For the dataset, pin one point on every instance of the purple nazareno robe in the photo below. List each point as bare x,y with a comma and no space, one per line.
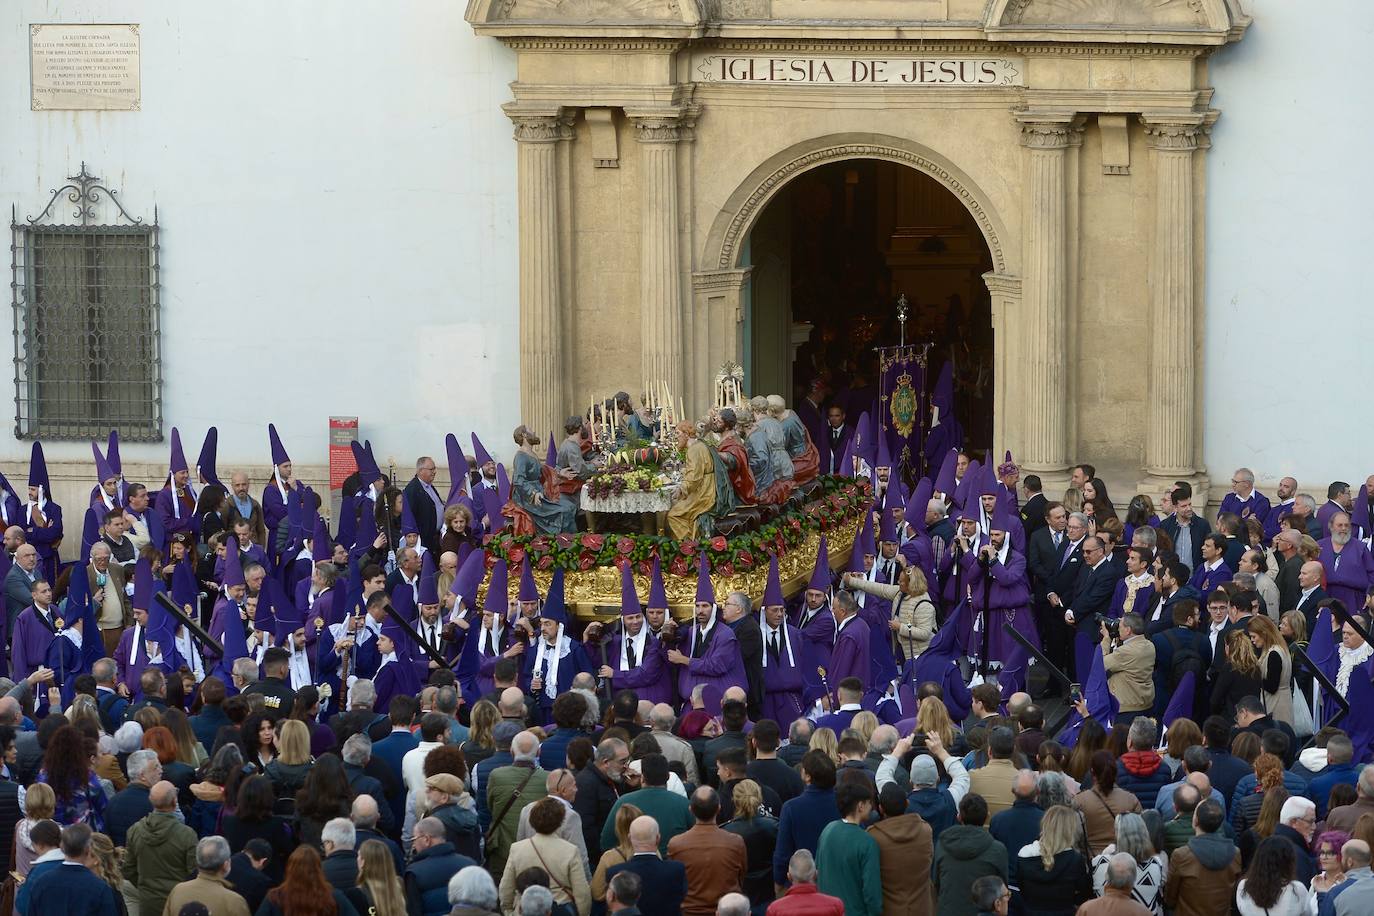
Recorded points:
129,672
1257,506
784,681
1350,573
650,678
850,655
719,663
817,630
32,636
1004,590
175,518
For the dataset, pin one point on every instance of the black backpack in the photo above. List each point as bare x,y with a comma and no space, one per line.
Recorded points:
1185,658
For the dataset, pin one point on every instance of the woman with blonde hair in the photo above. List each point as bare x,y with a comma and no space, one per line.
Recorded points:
480,744
292,763
621,852
1276,668
39,804
1240,677
912,620
1052,871
760,834
378,881
865,723
106,866
458,538
823,739
932,718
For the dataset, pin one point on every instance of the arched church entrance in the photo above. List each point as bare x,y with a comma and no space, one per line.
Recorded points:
834,253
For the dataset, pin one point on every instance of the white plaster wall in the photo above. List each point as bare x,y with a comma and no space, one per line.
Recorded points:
1289,234
336,185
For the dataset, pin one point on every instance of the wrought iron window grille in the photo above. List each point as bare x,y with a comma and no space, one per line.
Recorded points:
87,298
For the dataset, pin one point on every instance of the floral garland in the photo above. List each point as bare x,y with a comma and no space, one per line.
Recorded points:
840,499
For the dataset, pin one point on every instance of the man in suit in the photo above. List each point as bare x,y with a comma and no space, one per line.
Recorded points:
19,583
1033,511
666,881
1045,551
1312,593
425,503
1186,529
240,504
745,625
1286,544
837,436
1091,596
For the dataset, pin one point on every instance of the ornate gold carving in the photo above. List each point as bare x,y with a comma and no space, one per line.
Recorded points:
745,216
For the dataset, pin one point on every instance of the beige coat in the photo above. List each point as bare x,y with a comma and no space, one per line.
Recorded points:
219,898
915,616
1130,671
993,782
567,873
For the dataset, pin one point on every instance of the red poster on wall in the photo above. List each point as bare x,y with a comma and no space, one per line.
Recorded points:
342,432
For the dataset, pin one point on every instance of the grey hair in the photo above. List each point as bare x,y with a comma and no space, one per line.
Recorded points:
364,812
1079,517
1133,839
592,717
341,832
537,900
799,731
1143,733
211,853
446,700
884,740
1148,536
362,693
937,506
1121,870
357,750
608,749
328,572
245,669
1245,580
1135,622
801,868
524,747
473,887
1245,474
662,718
139,761
104,670
733,905
1307,500
100,546
128,738
1051,790
431,827
743,600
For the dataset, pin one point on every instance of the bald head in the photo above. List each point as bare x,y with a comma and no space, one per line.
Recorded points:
734,693
364,813
644,834
163,795
1355,854
1017,702
524,747
1310,576
512,703
1201,782
1024,785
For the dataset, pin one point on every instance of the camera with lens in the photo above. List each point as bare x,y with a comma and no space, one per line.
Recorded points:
1113,624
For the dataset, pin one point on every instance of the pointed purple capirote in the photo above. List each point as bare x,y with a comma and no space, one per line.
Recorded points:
1003,517
772,592
658,595
944,480
429,587
498,590
368,472
555,608
279,455
988,485
915,514
491,501
469,577
860,438
205,464
321,550
943,396
820,573
863,544
185,588
528,590
178,461
480,451
103,471
884,452
457,469
966,491
886,530
143,585
38,469
706,592
288,618
629,598
551,458
112,453
233,567
502,484
408,523
1181,703
846,466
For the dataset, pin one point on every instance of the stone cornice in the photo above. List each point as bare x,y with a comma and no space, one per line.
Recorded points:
538,128
593,43
1173,136
725,280
656,128
1050,130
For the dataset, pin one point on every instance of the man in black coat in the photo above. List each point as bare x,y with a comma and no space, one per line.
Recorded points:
1045,553
1036,506
736,614
1092,594
425,504
598,787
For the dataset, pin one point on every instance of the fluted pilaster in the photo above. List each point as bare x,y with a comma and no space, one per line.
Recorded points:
542,376
1045,287
1169,445
660,271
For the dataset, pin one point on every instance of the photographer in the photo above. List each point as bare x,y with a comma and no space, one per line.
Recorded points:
1129,659
936,805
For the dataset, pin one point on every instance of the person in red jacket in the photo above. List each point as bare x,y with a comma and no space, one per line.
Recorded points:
802,898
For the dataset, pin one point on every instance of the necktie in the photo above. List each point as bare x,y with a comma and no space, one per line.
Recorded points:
1057,537
491,644
429,635
774,648
630,653
699,644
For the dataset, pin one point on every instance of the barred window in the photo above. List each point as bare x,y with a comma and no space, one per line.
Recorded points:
86,320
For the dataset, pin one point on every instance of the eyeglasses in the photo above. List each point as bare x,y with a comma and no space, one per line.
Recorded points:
1326,852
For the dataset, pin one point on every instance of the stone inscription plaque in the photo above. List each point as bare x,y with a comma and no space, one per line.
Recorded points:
860,71
84,67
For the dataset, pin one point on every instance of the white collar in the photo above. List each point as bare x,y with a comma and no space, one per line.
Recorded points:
639,639
781,630
848,706
1098,564
1212,567
1140,579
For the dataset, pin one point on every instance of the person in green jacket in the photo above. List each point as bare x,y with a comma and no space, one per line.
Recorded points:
509,789
847,857
160,851
672,811
965,853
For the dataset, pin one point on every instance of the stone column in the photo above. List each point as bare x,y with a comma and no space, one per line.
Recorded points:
1169,445
1044,400
660,273
542,376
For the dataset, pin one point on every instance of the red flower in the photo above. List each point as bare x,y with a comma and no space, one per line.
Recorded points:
545,562
724,569
515,554
593,541
645,567
744,558
678,567
621,562
625,545
539,544
796,523
687,548
586,560
564,541
718,543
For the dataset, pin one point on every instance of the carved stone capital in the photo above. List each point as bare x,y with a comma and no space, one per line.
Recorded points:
1171,136
1050,134
539,128
658,129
